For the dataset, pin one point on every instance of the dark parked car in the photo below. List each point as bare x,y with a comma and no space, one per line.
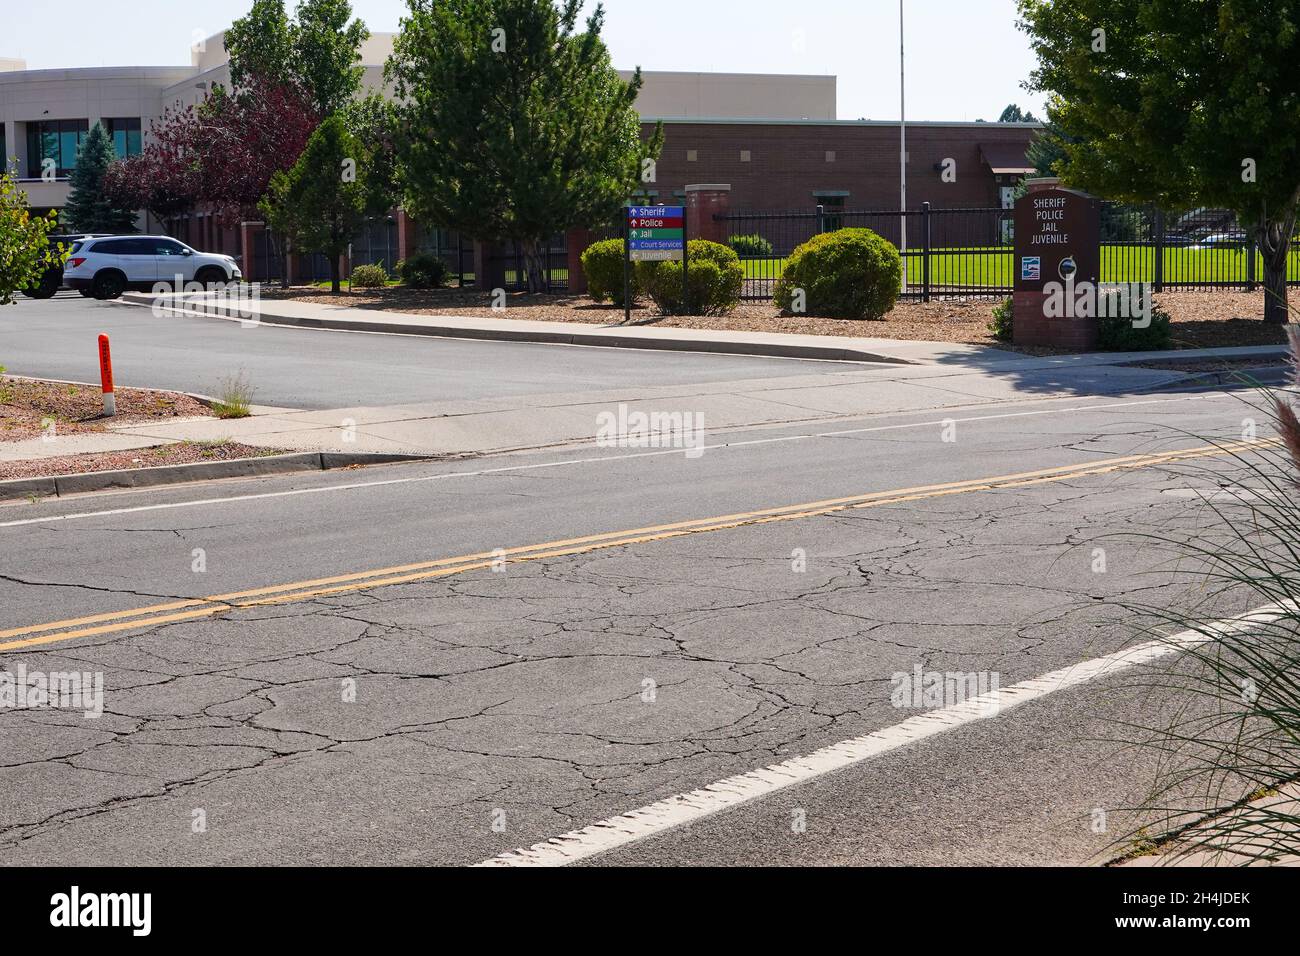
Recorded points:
52,278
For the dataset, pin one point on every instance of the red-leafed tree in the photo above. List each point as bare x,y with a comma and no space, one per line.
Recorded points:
248,138
167,177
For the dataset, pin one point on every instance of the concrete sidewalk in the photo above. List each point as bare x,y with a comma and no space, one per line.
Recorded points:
783,345
478,426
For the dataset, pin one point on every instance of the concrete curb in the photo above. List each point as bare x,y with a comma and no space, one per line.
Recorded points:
61,485
627,341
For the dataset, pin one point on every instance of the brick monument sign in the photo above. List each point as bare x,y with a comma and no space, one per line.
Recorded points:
1057,249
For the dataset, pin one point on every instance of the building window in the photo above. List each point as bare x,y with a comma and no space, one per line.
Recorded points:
692,155
830,155
56,140
745,156
125,134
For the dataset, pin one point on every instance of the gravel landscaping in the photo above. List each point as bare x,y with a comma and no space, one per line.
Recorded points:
28,407
1202,319
179,453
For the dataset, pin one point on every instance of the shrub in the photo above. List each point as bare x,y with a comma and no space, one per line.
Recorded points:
716,279
848,274
602,262
423,270
754,246
1000,327
370,277
1118,334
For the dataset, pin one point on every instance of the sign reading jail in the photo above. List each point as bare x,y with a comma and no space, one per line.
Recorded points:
656,233
1058,239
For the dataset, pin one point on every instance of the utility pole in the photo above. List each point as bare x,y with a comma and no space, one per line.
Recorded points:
902,140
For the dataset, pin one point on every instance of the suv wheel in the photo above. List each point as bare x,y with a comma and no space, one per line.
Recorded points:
45,290
109,285
210,276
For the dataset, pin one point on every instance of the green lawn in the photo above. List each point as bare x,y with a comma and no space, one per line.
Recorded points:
993,266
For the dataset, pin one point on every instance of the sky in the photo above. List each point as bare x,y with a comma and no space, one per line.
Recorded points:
965,58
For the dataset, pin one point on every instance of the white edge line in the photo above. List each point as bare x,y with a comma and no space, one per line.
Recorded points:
603,459
687,808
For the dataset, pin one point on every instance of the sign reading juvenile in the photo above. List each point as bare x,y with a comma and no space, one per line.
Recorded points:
1057,239
656,233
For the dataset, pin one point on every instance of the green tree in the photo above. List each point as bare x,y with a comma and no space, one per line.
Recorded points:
516,125
259,45
317,51
1182,103
24,247
1014,114
372,121
320,204
1047,150
89,207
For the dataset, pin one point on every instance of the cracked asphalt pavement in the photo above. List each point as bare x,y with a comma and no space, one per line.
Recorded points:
446,720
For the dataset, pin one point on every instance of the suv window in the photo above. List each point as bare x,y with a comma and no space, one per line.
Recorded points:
167,247
124,247
76,247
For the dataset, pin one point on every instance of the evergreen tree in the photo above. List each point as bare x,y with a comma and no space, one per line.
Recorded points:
89,207
320,204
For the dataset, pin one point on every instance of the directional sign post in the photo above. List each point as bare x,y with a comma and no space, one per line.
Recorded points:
654,234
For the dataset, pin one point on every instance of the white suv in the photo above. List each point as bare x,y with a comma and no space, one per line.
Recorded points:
106,267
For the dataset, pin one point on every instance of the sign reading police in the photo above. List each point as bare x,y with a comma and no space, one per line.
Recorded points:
656,233
1057,238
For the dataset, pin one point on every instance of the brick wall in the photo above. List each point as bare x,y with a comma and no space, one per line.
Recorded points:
788,162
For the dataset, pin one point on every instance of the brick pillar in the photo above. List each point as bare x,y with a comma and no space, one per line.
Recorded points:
407,235
488,274
703,203
577,242
248,232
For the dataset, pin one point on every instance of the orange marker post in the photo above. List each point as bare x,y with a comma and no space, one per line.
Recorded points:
106,377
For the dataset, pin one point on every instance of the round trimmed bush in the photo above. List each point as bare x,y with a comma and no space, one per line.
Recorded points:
716,280
602,262
369,277
752,246
848,274
424,270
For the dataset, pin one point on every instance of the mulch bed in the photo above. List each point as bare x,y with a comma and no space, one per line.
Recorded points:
1203,319
181,453
27,407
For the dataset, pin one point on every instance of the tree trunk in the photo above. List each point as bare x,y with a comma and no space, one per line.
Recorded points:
535,265
334,275
1273,236
282,247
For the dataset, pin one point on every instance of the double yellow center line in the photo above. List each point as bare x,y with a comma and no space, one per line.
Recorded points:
196,608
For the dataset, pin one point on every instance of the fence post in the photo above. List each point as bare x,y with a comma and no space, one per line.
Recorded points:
1158,278
821,215
925,252
1250,263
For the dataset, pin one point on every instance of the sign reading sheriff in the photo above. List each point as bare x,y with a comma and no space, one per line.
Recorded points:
1057,239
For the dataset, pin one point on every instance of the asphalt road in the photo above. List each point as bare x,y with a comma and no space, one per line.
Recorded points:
309,369
497,706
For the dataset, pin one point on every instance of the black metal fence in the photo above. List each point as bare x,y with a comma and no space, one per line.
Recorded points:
556,254
969,253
